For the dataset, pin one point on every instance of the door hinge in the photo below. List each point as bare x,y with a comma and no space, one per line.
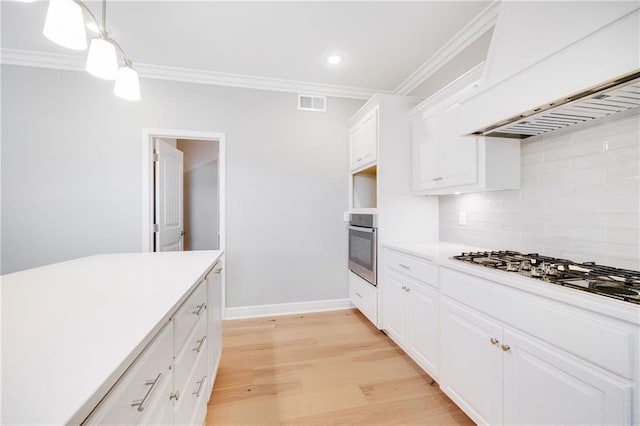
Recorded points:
155,157
155,227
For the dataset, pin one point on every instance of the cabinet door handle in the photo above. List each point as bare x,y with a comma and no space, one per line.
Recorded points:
175,396
218,271
505,348
200,383
199,309
358,294
408,289
494,341
152,384
200,343
404,266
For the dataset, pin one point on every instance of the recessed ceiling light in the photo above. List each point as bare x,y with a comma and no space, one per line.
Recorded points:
335,59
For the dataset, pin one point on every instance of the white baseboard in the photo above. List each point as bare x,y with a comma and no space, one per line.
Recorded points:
286,308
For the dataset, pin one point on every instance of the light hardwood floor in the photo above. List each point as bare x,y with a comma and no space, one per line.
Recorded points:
328,368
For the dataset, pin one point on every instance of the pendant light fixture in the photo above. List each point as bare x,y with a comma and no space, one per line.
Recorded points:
127,84
65,26
102,60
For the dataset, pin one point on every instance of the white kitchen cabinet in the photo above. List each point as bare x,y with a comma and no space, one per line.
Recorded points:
571,392
500,375
471,371
395,304
445,160
144,385
411,307
364,296
423,327
214,306
364,141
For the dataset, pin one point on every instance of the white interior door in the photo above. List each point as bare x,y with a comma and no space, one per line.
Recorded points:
168,197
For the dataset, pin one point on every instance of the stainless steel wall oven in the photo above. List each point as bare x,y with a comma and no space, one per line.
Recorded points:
363,246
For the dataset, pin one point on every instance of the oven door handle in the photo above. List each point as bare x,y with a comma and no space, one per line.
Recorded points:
361,229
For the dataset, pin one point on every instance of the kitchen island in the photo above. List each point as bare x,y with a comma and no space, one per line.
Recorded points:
71,331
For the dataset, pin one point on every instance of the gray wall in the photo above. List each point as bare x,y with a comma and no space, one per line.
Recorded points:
71,177
201,207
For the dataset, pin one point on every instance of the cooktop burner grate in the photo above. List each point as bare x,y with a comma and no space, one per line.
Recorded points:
621,284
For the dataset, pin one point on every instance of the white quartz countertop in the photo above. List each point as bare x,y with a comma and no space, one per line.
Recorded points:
437,252
440,253
70,329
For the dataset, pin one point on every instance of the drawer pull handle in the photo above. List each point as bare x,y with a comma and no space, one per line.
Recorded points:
358,294
199,309
218,271
200,343
200,383
152,384
494,341
175,396
404,266
505,348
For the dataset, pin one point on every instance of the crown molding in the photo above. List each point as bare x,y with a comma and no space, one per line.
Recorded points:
484,21
29,58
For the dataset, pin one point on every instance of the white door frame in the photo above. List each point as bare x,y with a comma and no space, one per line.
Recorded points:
147,185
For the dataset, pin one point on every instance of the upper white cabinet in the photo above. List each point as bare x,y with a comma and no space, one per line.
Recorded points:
445,161
364,141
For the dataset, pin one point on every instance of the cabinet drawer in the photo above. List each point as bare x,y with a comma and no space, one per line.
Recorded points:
193,395
140,387
196,347
194,308
414,267
364,296
563,326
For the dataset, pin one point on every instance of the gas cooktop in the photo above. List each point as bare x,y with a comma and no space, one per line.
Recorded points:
621,284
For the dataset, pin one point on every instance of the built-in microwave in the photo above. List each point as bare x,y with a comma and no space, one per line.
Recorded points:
363,246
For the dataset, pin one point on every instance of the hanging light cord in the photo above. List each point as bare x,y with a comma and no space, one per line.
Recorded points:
103,28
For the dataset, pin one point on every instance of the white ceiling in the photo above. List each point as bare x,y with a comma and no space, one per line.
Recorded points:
384,42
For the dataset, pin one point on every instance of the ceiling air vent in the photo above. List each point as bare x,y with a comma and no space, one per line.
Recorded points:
312,103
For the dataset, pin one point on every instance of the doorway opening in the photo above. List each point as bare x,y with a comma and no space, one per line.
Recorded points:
183,179
185,205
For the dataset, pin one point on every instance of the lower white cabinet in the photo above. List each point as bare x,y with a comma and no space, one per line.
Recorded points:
214,307
143,389
410,306
571,392
170,382
364,296
499,375
471,372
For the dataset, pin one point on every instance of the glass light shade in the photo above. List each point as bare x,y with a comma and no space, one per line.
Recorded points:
102,60
127,84
64,25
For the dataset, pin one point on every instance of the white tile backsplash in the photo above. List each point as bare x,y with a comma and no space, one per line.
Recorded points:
580,198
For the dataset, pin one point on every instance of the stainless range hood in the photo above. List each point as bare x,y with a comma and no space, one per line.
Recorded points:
552,65
614,96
